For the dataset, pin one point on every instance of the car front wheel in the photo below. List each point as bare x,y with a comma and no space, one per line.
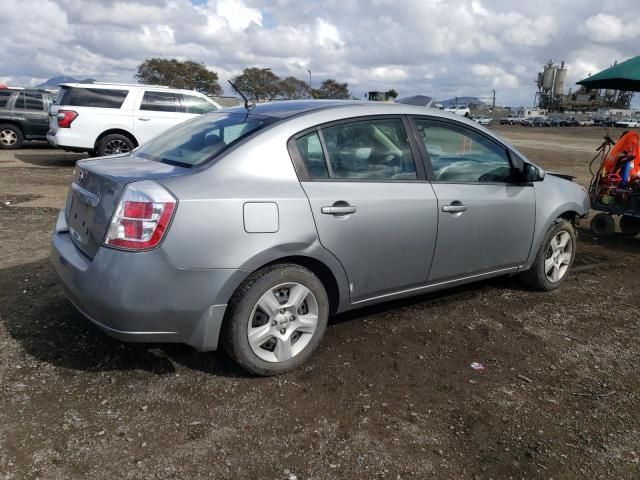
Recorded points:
276,319
554,259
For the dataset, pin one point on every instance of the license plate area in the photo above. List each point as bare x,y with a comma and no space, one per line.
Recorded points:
80,218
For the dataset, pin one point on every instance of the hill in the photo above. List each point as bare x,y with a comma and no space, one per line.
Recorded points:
53,82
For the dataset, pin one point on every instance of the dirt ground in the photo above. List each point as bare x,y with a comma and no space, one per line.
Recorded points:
390,393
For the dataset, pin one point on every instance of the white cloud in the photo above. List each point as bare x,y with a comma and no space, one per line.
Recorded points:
436,47
608,28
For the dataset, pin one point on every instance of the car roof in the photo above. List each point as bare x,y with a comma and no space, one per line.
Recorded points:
290,108
129,86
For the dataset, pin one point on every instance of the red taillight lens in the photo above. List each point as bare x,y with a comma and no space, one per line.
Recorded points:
65,117
142,217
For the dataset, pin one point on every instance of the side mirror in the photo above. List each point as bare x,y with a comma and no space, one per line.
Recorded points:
531,173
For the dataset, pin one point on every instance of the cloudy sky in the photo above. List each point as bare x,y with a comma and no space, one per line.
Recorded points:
442,48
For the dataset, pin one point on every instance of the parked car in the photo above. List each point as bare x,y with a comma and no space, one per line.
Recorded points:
462,110
107,118
569,122
511,119
541,122
248,228
23,116
627,123
586,122
536,122
482,119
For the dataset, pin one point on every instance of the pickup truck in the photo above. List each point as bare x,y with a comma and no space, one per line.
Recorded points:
23,116
511,120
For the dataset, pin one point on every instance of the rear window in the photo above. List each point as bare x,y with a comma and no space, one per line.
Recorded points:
92,97
201,139
4,97
160,102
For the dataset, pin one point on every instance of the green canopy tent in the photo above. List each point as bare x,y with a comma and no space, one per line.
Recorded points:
624,76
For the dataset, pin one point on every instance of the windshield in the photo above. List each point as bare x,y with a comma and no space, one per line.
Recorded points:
197,141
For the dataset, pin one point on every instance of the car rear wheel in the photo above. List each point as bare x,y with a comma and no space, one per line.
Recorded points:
276,319
602,225
10,137
554,259
630,225
114,144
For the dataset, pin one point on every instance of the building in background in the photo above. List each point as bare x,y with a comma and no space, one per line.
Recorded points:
550,95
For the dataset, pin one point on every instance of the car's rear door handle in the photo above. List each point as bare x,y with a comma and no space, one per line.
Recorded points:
455,207
339,210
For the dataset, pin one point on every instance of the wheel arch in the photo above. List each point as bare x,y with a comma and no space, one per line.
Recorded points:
322,271
570,216
112,131
13,123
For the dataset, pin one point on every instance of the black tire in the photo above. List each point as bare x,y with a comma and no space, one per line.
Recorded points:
11,137
630,225
114,144
536,276
235,329
602,225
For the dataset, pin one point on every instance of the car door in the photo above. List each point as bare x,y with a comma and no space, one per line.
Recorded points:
30,109
371,203
486,216
158,111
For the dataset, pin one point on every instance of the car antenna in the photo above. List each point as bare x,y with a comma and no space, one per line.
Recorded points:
247,104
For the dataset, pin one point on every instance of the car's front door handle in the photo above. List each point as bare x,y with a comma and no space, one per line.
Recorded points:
339,210
144,119
454,208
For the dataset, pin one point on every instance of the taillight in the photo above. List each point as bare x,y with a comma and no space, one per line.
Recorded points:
141,218
65,117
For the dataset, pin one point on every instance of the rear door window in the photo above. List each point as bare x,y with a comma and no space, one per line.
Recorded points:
29,101
310,150
370,150
161,102
4,97
197,105
93,97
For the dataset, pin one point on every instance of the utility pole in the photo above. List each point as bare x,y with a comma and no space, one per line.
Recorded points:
309,77
493,104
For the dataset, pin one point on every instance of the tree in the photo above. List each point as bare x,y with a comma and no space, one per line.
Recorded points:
259,84
292,88
178,74
332,89
392,93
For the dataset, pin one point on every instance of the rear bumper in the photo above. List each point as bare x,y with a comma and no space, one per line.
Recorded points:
141,297
65,138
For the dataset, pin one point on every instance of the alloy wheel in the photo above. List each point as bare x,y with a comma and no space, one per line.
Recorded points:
8,137
558,257
283,322
115,147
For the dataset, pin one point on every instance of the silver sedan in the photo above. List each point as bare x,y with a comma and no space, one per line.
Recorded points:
248,228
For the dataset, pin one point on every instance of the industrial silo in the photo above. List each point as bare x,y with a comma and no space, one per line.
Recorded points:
561,75
547,76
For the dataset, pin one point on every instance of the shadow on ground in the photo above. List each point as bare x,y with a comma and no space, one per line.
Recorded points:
36,313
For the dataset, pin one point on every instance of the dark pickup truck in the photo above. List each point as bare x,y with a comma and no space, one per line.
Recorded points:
23,116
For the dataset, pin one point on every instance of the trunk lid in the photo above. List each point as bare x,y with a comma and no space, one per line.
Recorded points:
95,192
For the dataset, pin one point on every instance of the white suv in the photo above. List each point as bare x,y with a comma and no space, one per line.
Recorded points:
461,110
108,118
